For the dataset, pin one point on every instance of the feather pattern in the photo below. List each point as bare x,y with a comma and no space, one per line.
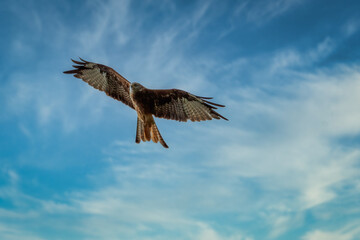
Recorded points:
104,79
177,105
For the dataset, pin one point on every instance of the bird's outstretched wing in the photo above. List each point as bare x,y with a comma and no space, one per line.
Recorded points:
104,79
180,105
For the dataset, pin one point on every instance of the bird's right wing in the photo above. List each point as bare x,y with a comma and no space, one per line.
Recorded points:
104,79
180,105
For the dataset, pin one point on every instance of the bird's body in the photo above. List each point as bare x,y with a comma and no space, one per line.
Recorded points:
172,104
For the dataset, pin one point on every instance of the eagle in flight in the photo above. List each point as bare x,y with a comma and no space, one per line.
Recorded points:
172,104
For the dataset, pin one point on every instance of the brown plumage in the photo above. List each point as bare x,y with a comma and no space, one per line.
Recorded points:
171,104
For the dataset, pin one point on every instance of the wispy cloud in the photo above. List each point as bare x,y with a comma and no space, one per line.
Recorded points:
13,233
351,27
349,232
289,58
24,94
261,12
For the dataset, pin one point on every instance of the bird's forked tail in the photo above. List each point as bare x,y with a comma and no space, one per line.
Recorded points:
148,131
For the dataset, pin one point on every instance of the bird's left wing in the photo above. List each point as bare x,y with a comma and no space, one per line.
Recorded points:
180,105
104,79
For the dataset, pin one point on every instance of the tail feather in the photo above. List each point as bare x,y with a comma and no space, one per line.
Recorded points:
140,133
147,133
156,136
138,137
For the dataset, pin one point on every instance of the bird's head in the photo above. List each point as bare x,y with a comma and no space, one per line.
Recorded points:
136,86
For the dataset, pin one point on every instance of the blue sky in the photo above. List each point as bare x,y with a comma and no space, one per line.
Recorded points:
286,165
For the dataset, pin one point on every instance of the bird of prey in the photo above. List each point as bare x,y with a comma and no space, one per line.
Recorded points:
172,104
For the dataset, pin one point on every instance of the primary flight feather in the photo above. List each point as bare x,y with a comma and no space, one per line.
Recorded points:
172,104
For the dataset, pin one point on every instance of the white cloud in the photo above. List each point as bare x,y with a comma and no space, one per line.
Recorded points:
109,20
288,142
9,232
351,27
288,58
261,12
110,212
299,130
53,103
348,232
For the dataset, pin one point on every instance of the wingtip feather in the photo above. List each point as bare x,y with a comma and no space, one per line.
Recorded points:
83,60
204,97
71,71
215,104
77,62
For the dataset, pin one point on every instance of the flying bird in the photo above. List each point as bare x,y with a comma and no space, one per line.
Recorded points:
171,104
